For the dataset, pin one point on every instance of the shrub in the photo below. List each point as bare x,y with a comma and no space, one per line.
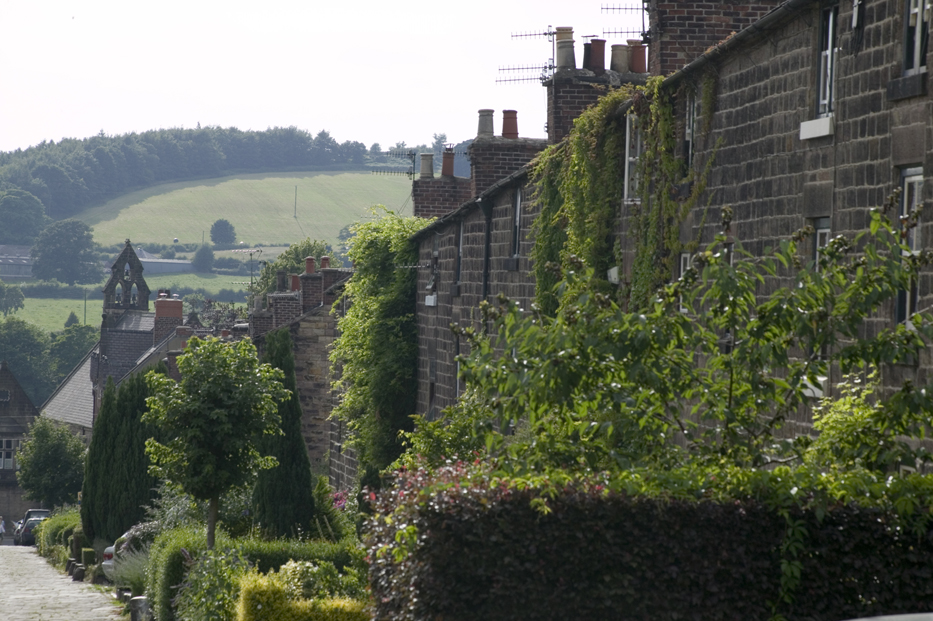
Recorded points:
167,565
212,587
129,570
270,555
56,530
168,253
702,544
88,557
320,579
227,263
266,598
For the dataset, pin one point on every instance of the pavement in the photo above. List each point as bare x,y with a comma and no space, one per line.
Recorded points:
32,590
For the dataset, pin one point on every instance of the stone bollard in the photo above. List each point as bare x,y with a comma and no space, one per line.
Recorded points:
139,609
70,566
78,575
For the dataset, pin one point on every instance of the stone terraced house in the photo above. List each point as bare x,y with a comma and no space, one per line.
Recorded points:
820,109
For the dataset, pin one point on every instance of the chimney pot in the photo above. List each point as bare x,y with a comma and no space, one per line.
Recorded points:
485,123
638,58
598,55
563,33
565,55
447,164
619,59
427,166
509,124
309,265
281,280
325,263
296,284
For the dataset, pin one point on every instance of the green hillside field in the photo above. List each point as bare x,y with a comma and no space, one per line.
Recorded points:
260,206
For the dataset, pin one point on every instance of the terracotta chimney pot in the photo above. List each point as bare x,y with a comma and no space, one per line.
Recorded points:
309,265
325,263
509,124
447,165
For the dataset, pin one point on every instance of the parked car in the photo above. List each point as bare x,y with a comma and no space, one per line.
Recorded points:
107,564
27,535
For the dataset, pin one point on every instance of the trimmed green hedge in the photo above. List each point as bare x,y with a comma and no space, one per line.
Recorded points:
56,530
263,598
173,551
473,548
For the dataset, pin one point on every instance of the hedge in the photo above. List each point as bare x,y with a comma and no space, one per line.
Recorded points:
270,555
56,530
167,565
173,549
263,598
480,550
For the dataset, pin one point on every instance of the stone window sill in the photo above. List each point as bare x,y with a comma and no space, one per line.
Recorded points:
817,128
914,85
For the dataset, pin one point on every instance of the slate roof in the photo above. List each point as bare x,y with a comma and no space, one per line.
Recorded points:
136,322
73,401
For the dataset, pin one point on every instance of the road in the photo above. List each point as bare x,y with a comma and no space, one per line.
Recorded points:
33,590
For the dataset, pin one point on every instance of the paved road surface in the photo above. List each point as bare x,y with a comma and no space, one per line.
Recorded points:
33,590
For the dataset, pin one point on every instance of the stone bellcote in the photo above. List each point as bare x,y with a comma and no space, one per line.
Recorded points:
126,289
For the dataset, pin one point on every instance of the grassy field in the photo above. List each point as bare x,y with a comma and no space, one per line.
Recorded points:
261,207
50,315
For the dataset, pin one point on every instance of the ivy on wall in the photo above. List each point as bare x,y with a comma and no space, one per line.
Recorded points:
375,355
581,184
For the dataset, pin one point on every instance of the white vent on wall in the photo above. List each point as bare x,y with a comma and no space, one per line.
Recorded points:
430,300
612,275
818,390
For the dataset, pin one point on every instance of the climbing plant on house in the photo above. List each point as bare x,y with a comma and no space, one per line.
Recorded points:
580,190
375,355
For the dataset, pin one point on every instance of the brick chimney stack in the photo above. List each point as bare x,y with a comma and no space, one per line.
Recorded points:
681,30
169,314
312,290
496,157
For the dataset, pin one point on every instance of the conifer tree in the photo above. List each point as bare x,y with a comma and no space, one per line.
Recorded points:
117,483
283,498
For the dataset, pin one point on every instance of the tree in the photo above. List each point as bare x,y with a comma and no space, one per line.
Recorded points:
26,348
23,217
114,498
51,464
292,260
65,252
11,299
284,496
68,347
203,259
709,362
222,232
213,419
72,319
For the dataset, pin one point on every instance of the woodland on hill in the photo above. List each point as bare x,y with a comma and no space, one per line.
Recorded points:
72,174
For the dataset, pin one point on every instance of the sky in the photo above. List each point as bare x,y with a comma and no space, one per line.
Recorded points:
364,70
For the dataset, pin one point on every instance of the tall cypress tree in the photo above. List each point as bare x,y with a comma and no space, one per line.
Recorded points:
98,465
283,498
117,483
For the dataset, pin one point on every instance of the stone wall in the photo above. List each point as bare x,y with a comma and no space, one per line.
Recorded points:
494,158
457,300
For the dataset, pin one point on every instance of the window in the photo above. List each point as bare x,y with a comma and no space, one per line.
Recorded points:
517,224
459,253
685,262
911,197
690,129
820,239
917,35
8,448
634,147
827,60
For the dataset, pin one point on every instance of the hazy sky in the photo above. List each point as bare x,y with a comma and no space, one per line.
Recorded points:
366,70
